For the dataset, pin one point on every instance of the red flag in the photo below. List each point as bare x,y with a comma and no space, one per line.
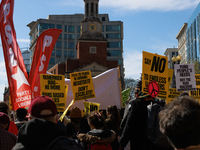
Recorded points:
42,54
16,72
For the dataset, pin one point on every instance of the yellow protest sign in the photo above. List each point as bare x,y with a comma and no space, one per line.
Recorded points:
82,85
195,94
155,68
90,106
54,87
172,94
197,77
170,75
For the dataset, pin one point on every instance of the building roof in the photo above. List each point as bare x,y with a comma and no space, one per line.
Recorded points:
92,36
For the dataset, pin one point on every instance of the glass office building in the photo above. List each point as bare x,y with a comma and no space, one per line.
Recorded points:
66,44
193,35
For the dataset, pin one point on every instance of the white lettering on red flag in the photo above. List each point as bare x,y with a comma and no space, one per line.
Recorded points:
43,49
16,72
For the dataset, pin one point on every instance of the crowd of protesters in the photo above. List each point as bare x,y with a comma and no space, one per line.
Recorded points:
39,128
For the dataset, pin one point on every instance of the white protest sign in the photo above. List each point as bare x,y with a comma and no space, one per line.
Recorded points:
185,78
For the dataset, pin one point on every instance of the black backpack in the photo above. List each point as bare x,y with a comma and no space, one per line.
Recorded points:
156,140
64,143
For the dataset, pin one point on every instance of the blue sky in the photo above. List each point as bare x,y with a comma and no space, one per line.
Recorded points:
150,26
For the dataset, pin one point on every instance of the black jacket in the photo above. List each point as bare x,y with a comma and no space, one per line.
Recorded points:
37,134
134,129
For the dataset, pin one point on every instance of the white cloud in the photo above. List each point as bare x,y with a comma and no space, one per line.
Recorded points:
23,40
133,64
162,5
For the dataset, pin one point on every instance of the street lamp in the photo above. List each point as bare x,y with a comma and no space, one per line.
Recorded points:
175,60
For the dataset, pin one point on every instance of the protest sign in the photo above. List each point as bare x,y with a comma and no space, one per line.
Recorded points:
172,94
154,68
197,79
54,87
170,75
125,95
82,85
195,94
185,79
90,106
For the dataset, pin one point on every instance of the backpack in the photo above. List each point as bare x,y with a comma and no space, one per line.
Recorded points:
155,138
64,143
99,145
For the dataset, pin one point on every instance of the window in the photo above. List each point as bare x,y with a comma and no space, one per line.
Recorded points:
70,45
102,28
58,53
103,18
60,36
65,28
65,36
114,53
92,7
78,35
113,36
52,61
58,44
71,36
44,26
96,8
114,45
65,45
70,54
78,29
87,8
93,50
113,28
58,26
65,54
70,28
53,53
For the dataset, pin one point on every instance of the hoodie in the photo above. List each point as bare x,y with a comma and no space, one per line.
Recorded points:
37,134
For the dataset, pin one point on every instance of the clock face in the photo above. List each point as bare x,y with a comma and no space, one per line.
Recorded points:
92,27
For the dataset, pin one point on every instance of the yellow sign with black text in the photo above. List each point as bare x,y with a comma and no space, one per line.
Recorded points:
170,75
54,87
90,106
82,85
172,94
197,78
155,68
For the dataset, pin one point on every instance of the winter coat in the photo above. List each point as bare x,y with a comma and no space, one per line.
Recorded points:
37,134
134,129
96,135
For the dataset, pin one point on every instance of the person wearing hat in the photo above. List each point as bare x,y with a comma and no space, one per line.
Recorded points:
7,139
41,130
73,127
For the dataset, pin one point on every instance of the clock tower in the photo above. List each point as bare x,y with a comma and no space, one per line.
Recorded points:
91,45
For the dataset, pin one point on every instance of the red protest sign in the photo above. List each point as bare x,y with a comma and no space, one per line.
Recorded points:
153,88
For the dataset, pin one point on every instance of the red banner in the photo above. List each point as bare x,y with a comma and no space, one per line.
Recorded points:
42,54
16,72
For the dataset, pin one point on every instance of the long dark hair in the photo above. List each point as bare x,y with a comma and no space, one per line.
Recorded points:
96,119
114,114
